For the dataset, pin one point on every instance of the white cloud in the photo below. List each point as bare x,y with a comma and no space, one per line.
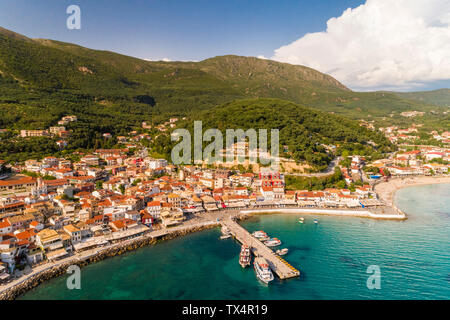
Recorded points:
170,60
163,59
261,57
398,44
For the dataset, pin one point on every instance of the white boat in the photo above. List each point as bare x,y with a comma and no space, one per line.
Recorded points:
274,242
259,234
282,252
262,270
225,230
226,233
316,221
245,256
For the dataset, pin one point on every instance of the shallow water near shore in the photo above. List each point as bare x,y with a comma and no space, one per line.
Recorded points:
332,256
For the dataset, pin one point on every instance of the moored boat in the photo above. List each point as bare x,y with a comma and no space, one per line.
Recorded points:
225,230
259,234
262,270
274,242
245,256
226,233
282,252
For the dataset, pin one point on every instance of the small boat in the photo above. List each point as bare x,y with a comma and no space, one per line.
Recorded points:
316,221
259,234
262,270
245,256
225,230
282,252
225,233
274,242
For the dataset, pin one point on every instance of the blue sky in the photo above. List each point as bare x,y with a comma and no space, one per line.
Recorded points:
175,29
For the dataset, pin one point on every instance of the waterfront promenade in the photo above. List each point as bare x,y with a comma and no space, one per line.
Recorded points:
387,213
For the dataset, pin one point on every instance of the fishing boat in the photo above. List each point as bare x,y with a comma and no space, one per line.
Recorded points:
244,256
282,252
225,233
262,270
259,234
274,242
316,221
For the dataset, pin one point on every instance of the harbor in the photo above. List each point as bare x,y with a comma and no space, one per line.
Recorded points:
313,250
277,264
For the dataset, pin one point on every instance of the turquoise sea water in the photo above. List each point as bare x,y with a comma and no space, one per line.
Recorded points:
333,256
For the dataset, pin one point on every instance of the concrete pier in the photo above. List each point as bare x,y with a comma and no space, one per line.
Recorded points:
281,268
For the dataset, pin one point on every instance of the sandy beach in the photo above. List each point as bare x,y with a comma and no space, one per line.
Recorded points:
386,190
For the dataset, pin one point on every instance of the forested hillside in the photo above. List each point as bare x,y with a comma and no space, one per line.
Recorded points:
303,130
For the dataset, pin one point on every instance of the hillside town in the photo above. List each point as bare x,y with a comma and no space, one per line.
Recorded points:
416,159
53,208
108,197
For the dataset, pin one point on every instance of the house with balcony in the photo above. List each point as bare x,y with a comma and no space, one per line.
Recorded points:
73,232
52,243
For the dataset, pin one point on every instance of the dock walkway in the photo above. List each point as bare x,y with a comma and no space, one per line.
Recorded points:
282,269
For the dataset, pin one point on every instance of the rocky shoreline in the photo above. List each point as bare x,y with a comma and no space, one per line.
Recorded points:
60,269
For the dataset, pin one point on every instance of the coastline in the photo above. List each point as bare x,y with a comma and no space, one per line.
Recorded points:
51,270
47,271
387,190
394,214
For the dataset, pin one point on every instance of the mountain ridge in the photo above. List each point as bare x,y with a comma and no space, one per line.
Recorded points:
38,73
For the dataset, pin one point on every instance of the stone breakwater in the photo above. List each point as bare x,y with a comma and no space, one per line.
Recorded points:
59,269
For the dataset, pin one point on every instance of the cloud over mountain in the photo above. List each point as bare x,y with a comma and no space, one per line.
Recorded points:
385,44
